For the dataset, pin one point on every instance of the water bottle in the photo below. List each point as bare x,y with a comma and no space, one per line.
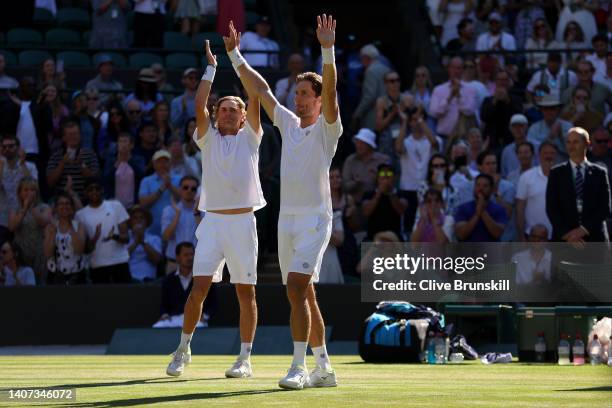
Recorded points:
431,349
578,350
540,348
440,349
564,351
446,348
595,350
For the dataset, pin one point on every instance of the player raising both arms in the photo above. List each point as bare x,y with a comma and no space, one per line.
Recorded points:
231,191
310,137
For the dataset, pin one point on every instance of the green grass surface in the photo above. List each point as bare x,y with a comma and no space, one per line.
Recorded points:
126,381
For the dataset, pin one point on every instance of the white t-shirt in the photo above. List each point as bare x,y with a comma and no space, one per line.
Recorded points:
528,268
230,170
306,156
532,188
110,214
414,161
26,132
251,41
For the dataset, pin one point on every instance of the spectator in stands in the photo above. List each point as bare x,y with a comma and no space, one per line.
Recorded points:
471,78
260,41
495,39
476,145
183,106
452,101
480,220
578,110
13,167
524,27
533,265
162,84
606,77
503,193
551,127
134,113
59,111
149,23
389,108
359,173
106,226
466,41
345,204
109,24
373,86
382,207
540,39
14,271
573,38
598,58
285,87
600,95
180,220
147,144
554,79
188,13
421,92
578,195
525,153
600,153
156,190
438,176
498,109
180,164
386,243
160,117
88,125
331,270
116,124
64,244
451,14
518,129
72,160
6,81
414,152
145,249
189,147
433,224
28,222
51,73
123,171
145,91
531,193
580,14
104,81
94,108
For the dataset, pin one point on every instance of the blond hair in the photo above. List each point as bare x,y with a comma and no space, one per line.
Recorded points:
236,99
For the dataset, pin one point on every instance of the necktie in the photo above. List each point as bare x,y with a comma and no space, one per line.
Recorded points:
579,182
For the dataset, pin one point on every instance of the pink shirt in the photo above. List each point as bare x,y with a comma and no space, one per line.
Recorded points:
124,184
447,112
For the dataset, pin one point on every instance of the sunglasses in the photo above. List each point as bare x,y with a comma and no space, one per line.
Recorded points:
9,146
190,188
387,173
4,251
114,113
538,26
133,112
392,80
601,141
469,66
438,166
93,99
432,201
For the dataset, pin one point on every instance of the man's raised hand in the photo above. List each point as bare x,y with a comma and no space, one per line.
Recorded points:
233,41
212,60
326,31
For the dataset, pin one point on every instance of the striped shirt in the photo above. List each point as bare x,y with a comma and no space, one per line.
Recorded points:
74,169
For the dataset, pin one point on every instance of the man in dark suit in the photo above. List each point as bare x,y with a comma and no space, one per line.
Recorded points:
578,194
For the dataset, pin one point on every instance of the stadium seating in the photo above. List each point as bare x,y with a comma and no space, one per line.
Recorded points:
61,37
251,19
215,40
223,61
181,60
74,59
73,18
144,59
32,58
10,57
23,37
177,41
119,60
43,18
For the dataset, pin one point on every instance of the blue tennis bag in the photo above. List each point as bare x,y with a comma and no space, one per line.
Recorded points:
396,332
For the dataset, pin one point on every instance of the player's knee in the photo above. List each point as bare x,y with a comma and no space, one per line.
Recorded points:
296,294
246,294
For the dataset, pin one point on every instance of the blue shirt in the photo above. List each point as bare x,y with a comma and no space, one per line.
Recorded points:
178,116
539,131
140,265
185,228
510,162
480,233
148,186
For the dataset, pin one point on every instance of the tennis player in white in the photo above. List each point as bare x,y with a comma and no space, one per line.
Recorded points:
310,137
231,191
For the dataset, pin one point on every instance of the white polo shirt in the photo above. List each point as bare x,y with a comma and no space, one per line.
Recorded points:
230,169
251,41
532,188
306,156
414,162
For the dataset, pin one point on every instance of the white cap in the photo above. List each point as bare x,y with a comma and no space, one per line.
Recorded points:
161,154
369,50
518,119
495,16
366,136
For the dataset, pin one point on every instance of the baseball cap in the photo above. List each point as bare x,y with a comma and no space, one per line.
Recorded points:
161,154
518,119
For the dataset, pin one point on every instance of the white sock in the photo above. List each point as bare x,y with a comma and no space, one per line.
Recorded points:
185,341
245,351
321,356
299,353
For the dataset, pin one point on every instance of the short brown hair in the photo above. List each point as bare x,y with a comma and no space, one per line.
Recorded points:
315,80
236,99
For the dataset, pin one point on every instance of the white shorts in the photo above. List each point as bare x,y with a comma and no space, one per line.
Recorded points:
302,240
230,238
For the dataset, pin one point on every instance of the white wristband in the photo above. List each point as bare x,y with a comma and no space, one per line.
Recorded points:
328,55
236,58
236,69
209,73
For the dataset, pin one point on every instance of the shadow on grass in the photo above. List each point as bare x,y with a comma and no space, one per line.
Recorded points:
606,388
168,398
